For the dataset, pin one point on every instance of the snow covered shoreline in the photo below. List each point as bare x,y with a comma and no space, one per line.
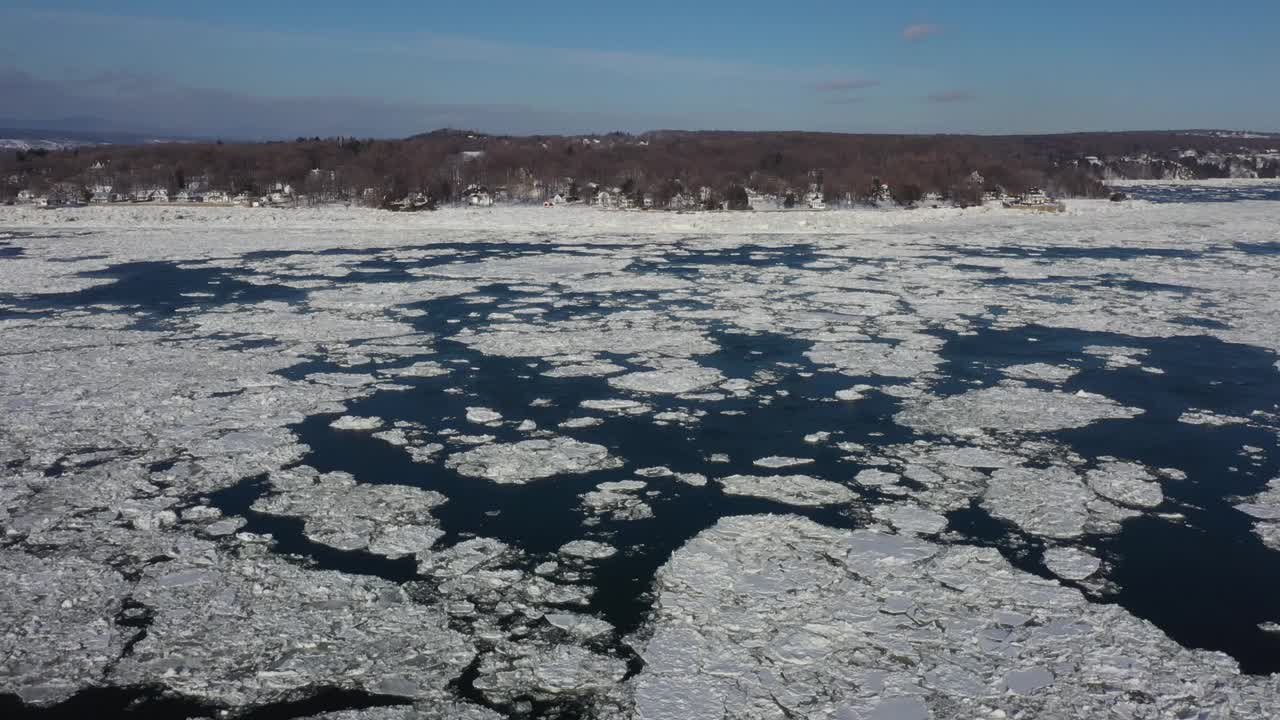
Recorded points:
572,219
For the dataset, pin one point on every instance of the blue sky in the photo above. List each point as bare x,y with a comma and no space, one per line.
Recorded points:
393,68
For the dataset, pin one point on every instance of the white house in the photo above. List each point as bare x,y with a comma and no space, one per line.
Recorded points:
680,201
155,194
100,193
761,201
479,197
605,199
215,196
1034,196
26,196
815,201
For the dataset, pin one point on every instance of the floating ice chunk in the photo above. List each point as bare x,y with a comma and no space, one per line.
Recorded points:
424,453
483,416
625,407
655,472
876,478
391,520
351,422
616,499
1116,356
694,479
553,339
775,461
464,559
521,462
1265,509
1011,409
849,394
581,422
669,381
817,438
224,527
592,369
394,436
583,627
905,360
798,490
1056,374
588,550
350,380
1208,417
1050,502
911,518
1071,564
974,457
1126,483
424,369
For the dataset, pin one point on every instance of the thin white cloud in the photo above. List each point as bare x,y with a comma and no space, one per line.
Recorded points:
951,96
920,31
842,85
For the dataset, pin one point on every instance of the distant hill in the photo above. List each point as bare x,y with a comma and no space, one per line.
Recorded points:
78,132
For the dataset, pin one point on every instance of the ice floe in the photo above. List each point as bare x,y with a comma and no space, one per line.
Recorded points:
778,617
521,462
1012,409
798,490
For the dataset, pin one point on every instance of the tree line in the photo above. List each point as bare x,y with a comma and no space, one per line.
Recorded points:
655,167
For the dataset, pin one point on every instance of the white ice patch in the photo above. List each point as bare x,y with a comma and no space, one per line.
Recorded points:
588,550
483,416
774,462
1049,502
669,381
910,518
390,520
1071,564
1127,484
1056,374
521,462
798,490
780,617
351,422
1011,409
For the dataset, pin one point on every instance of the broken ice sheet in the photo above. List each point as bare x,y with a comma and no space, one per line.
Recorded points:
798,490
390,520
1011,409
527,460
751,614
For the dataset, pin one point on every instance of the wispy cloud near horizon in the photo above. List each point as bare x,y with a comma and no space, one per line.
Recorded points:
951,96
920,31
842,85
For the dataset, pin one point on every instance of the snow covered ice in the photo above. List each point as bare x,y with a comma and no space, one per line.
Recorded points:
927,464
